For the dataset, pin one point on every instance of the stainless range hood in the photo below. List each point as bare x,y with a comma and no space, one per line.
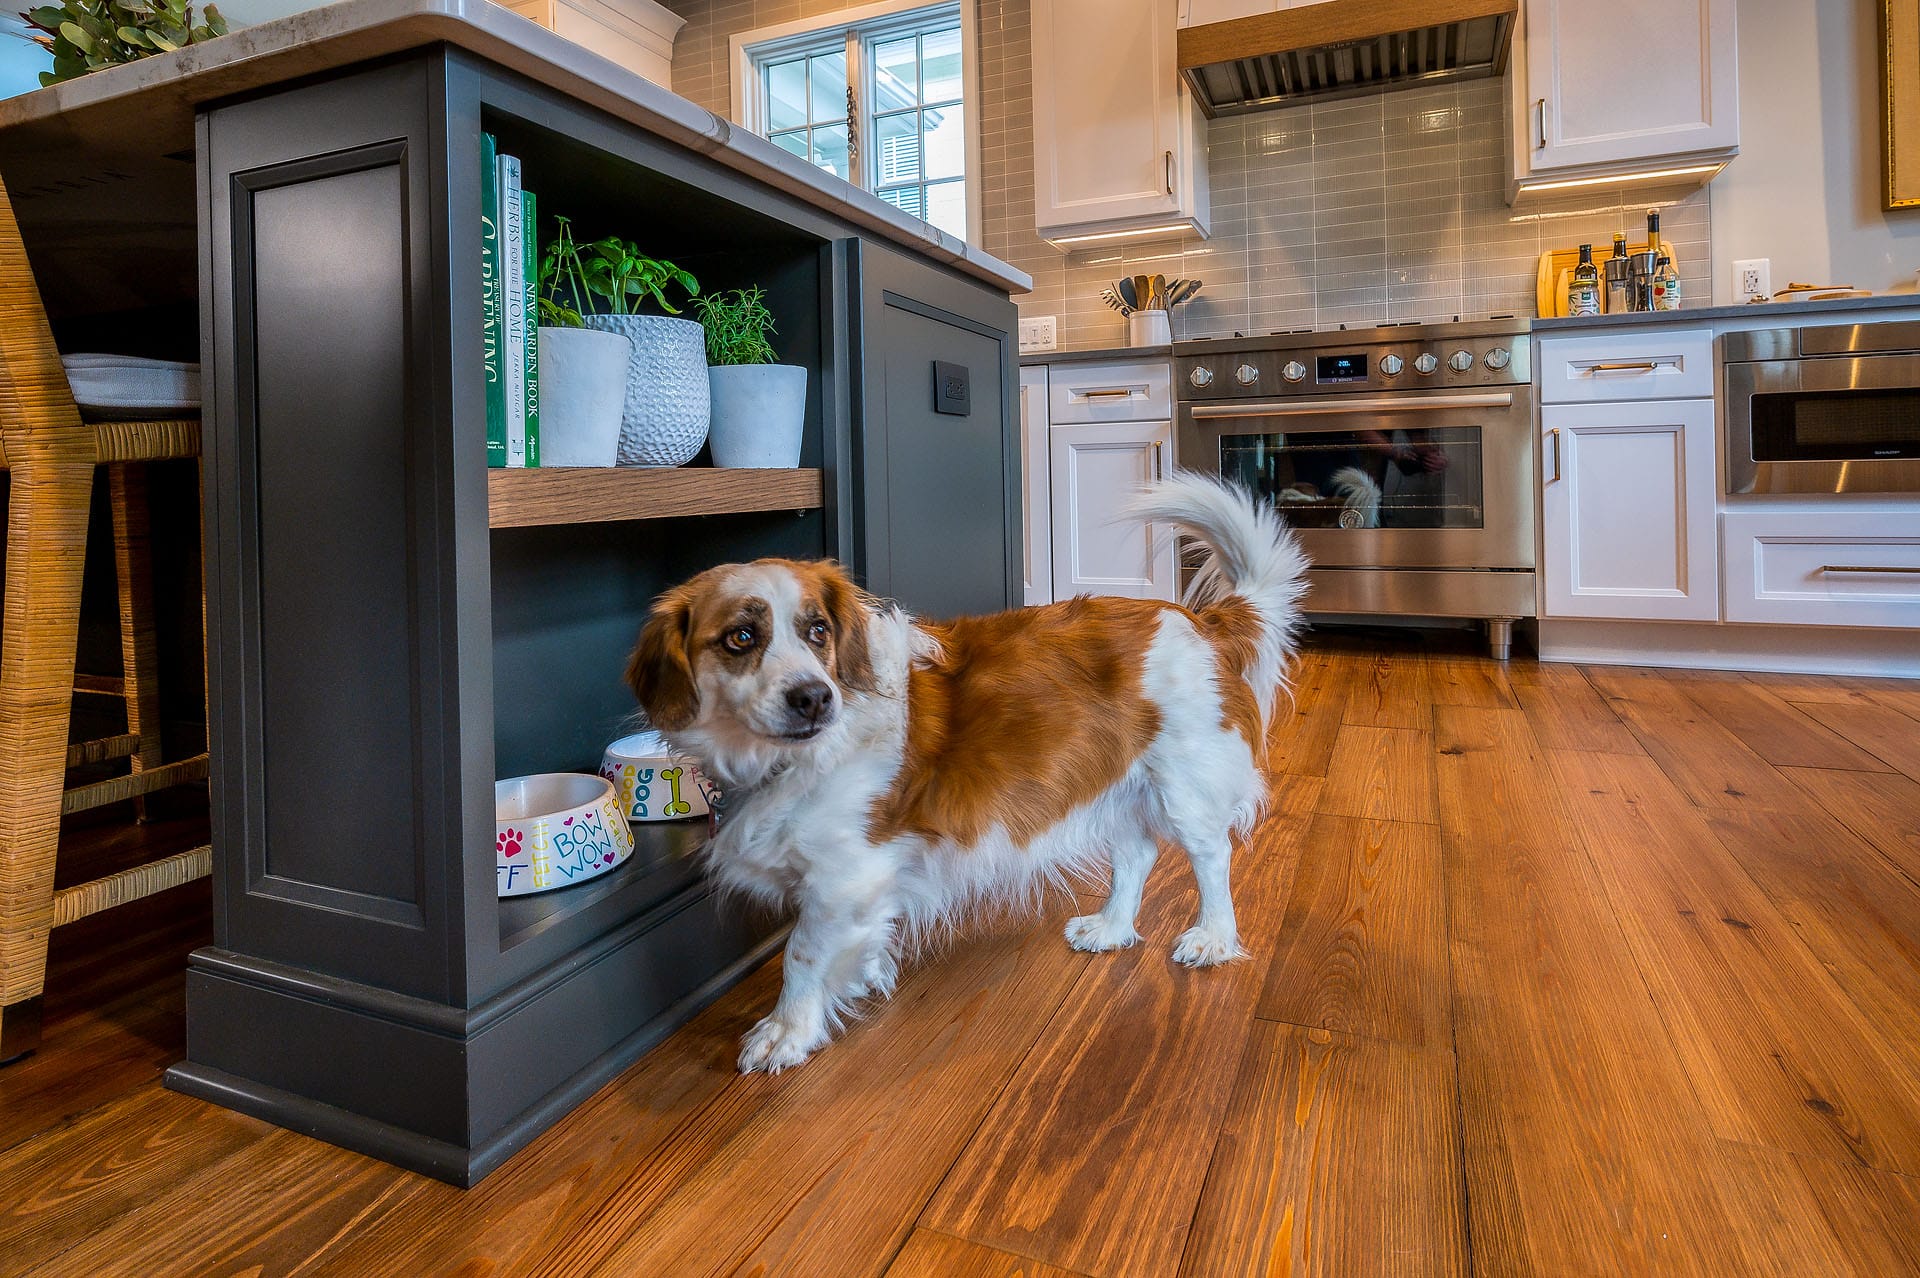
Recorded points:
1342,49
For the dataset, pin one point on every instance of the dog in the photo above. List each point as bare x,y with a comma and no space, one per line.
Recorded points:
884,776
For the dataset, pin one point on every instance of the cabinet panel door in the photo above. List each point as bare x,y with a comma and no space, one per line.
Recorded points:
939,493
1675,92
1036,493
1628,496
1096,550
1106,111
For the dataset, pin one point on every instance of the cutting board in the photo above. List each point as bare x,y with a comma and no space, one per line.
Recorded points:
1550,286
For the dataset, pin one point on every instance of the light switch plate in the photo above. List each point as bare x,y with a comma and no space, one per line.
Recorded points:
1041,333
1751,276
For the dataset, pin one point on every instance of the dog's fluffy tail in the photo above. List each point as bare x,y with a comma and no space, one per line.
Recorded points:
1254,557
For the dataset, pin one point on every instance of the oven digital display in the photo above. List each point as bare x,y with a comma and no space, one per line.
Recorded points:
1341,368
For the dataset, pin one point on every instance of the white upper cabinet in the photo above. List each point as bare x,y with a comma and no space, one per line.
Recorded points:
1118,146
1615,87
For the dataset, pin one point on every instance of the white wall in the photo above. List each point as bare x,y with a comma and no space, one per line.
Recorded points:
1806,190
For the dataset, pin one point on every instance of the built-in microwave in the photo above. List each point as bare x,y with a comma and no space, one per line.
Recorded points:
1824,410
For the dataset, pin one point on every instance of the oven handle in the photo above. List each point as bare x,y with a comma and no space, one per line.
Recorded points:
1350,407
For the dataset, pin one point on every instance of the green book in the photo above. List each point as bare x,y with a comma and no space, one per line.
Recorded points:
490,310
530,261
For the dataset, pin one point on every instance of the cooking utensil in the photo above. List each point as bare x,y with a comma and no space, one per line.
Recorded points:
1114,300
1180,290
1125,287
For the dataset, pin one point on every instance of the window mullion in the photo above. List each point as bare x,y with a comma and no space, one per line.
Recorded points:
856,111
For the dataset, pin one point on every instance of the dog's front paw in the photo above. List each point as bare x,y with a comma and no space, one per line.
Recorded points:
1201,947
1097,934
774,1045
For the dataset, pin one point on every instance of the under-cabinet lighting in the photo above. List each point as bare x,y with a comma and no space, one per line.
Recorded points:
1171,228
1612,179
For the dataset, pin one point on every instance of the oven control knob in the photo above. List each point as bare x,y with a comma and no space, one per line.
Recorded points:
1294,370
1390,365
1424,363
1246,374
1201,375
1460,361
1498,358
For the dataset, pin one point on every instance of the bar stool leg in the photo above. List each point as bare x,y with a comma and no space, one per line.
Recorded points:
139,647
52,477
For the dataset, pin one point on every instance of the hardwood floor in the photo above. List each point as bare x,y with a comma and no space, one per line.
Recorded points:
1556,971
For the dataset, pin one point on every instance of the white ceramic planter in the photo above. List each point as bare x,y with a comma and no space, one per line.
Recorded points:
665,420
759,414
583,393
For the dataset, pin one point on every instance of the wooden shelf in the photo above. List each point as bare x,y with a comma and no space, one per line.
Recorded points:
570,495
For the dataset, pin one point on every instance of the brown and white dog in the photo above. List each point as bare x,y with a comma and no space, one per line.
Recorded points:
883,775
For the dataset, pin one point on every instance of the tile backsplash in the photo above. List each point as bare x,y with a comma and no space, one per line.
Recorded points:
1355,212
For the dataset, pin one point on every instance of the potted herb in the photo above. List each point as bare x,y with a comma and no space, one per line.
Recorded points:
602,285
759,406
583,371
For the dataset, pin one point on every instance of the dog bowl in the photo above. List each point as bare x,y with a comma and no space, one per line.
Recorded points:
653,784
555,829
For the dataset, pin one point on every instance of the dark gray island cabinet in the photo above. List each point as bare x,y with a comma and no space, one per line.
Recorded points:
391,625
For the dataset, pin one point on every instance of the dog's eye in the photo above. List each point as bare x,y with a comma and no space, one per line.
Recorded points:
738,641
817,634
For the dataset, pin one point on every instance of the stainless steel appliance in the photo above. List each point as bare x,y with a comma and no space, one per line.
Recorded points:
1824,410
1403,455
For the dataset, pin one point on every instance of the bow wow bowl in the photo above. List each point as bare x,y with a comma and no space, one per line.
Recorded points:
555,829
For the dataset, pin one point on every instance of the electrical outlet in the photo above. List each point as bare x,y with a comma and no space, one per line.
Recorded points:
1040,333
1753,277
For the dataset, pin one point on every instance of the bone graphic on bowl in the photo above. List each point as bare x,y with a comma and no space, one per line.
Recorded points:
676,806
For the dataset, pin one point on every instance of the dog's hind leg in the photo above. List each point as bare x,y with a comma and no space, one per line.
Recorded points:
1112,927
1214,938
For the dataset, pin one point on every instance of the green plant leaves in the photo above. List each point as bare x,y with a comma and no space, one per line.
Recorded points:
737,324
85,35
573,276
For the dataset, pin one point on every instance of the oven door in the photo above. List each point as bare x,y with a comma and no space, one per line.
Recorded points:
1824,425
1439,480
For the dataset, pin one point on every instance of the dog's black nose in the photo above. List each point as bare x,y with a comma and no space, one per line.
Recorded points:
811,699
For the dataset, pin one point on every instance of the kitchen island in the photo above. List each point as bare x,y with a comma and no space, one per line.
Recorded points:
390,627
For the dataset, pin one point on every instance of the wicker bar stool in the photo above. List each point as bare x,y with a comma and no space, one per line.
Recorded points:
51,457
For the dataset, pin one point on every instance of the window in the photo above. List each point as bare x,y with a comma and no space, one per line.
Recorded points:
876,96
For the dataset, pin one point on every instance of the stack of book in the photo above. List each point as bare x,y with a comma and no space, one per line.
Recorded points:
510,278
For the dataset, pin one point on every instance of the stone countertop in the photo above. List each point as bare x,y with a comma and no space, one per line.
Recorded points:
105,126
1028,358
1764,313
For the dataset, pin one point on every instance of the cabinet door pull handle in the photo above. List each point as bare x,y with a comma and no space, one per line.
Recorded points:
1169,172
1108,392
1159,462
1632,366
1540,116
1855,567
1553,437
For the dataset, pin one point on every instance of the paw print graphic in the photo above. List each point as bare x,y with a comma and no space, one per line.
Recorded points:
507,842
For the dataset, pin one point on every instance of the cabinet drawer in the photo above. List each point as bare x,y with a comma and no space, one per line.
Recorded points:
1664,364
1130,392
1842,568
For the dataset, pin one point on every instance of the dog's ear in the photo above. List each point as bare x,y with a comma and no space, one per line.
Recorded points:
850,609
660,671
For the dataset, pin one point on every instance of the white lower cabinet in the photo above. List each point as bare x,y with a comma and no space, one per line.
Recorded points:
1628,504
1036,493
1858,567
1095,469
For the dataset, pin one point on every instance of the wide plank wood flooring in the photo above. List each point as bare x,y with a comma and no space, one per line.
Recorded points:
1556,970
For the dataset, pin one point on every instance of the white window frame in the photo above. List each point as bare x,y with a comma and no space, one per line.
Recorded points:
751,49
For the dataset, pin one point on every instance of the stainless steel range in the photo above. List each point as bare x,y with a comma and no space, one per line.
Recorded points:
1403,454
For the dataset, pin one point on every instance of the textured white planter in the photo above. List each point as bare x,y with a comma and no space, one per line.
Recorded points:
583,392
665,420
759,414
